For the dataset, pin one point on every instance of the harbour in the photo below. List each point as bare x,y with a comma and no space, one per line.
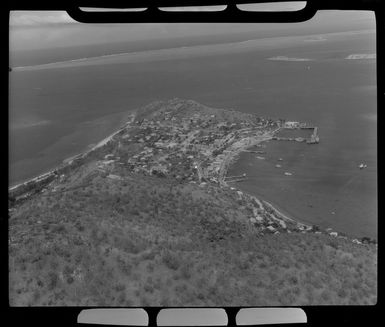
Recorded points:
312,139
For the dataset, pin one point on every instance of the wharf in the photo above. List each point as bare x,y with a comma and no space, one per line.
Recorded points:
313,139
236,180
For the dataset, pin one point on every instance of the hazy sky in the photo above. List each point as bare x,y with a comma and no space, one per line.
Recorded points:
41,30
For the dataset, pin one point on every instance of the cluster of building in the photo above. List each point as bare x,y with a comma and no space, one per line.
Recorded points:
194,147
190,146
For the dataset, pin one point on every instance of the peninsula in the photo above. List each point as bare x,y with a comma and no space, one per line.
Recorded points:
150,206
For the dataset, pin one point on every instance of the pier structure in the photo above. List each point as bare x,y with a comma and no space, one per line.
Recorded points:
313,139
235,180
232,179
253,151
200,171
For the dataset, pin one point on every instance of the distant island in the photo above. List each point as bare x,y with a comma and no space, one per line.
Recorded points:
151,206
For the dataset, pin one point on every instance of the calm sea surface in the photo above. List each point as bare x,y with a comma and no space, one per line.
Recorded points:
58,112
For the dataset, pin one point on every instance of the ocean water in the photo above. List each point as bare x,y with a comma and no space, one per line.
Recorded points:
58,112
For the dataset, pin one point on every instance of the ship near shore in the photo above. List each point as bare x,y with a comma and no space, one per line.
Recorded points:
150,206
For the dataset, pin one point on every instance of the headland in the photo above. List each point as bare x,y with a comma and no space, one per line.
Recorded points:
189,143
156,192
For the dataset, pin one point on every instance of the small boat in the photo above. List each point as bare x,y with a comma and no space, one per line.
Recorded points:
362,166
278,166
288,174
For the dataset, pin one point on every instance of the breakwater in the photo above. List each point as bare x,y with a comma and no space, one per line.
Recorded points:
313,139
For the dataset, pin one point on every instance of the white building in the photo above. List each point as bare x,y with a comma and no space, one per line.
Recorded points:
291,124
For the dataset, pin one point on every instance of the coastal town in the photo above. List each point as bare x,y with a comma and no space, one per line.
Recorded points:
150,214
186,142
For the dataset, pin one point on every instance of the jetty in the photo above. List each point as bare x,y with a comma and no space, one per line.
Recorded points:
236,180
253,151
313,139
298,139
232,179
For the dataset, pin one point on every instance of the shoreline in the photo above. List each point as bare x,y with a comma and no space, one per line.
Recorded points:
199,49
281,211
270,201
234,156
219,168
69,160
230,159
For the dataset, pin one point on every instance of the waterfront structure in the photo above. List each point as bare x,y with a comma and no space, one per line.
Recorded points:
292,124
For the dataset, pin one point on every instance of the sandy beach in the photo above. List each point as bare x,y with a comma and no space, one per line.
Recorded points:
83,139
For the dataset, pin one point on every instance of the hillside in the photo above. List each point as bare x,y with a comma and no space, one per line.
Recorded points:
134,222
